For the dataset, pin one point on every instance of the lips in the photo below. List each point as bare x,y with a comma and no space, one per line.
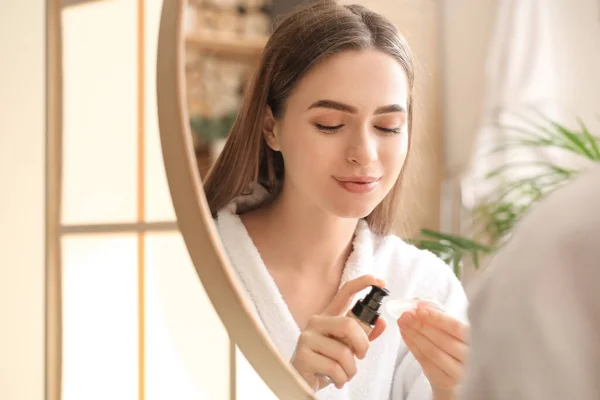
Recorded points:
358,184
358,179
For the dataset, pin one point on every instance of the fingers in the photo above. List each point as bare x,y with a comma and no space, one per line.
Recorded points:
444,322
334,350
346,329
331,341
456,347
343,299
328,346
309,363
378,329
431,354
423,360
429,351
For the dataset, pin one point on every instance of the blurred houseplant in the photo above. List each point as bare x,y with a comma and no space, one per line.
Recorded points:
212,130
451,248
495,217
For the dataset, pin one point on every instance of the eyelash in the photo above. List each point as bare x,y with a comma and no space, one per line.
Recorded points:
331,129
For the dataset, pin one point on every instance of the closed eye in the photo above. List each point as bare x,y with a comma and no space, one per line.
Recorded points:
329,128
334,128
389,130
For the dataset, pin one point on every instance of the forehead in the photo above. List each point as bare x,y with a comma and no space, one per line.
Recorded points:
365,79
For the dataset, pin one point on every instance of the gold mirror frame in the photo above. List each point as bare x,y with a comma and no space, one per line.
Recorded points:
195,220
53,273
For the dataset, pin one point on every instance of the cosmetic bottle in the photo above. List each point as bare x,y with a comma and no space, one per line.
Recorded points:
366,311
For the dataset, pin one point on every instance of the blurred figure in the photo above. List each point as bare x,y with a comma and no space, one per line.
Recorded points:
536,314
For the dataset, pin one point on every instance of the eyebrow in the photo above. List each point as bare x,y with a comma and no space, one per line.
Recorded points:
336,105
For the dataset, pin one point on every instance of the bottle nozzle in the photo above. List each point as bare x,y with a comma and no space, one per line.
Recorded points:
367,309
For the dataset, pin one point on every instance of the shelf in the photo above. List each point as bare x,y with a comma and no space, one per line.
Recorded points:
241,47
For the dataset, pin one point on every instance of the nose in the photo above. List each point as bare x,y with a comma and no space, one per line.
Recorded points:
362,149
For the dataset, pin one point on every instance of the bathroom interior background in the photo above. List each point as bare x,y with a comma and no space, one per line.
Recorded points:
137,322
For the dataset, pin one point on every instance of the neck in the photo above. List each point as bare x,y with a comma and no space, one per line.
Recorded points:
307,239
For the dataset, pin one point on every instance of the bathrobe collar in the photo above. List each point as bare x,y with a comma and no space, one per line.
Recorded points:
245,258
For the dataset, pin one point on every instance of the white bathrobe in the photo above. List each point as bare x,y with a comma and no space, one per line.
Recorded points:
388,371
535,316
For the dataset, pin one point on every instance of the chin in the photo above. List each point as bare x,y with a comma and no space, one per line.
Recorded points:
352,209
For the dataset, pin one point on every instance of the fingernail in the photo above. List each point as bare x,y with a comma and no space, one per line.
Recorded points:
423,312
403,320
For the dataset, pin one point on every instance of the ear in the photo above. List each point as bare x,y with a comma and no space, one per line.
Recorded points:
270,130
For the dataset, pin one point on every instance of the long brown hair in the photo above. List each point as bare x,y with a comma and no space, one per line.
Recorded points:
306,36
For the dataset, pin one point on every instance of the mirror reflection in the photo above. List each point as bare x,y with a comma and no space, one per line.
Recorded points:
303,159
318,137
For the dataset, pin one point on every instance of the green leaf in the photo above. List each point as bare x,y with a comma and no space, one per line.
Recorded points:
456,264
515,142
476,260
592,140
536,135
456,240
537,125
500,170
432,245
570,136
555,135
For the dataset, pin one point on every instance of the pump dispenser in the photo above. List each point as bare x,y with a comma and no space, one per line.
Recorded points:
366,311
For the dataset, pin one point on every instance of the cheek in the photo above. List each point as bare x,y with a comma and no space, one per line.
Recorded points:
393,155
304,152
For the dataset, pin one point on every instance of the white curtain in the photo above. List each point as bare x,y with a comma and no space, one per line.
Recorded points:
520,76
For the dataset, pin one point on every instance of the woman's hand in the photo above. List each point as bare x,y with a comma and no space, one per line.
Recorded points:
331,341
439,343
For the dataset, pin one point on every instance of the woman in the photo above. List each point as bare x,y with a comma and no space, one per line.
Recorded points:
305,193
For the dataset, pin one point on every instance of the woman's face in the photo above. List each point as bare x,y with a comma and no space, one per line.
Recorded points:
344,136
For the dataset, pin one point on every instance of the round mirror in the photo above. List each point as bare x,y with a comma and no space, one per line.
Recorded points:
279,257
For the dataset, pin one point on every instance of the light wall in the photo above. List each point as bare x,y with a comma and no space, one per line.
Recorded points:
22,175
577,25
466,30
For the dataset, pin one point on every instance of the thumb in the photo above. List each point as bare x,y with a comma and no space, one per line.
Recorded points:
343,299
378,329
